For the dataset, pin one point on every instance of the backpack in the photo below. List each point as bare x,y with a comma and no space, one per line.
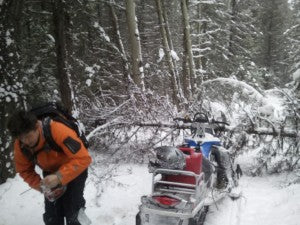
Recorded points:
56,112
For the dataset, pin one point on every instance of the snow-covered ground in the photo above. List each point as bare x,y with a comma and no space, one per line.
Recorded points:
270,200
264,201
118,204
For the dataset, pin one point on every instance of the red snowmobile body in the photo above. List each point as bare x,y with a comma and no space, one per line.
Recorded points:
178,196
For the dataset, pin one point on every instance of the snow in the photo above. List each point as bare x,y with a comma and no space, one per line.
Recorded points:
235,83
9,41
102,32
51,38
272,200
161,54
8,99
264,202
90,70
31,70
96,24
106,37
174,55
88,82
273,105
296,75
266,110
117,205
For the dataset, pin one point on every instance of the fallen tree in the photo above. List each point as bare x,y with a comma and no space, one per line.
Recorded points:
276,132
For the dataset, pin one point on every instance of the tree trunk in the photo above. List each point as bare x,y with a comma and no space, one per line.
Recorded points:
168,32
167,50
276,132
199,17
201,29
135,45
188,43
233,9
63,74
186,80
120,45
11,93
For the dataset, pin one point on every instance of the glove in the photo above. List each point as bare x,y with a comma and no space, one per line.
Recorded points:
54,193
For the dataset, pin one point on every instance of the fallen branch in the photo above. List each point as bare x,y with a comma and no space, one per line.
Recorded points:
251,130
274,132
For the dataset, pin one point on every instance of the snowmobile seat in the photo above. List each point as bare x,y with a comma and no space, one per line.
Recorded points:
193,164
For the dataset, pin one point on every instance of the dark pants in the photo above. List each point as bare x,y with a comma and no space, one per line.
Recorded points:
207,168
67,205
222,166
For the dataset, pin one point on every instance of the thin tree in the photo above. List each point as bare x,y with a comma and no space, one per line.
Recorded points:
167,50
120,45
135,45
188,43
63,75
170,41
233,12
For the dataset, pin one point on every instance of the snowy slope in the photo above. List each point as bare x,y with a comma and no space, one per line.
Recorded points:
265,201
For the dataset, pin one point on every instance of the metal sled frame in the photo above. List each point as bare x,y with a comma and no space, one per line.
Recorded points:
196,191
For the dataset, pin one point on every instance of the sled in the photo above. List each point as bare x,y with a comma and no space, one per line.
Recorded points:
178,196
183,196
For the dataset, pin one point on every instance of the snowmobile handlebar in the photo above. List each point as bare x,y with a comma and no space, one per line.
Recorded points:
220,122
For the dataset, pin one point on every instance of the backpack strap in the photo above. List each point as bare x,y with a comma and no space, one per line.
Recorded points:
32,157
48,135
70,122
50,143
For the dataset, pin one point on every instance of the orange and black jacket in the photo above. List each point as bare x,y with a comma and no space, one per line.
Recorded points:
67,164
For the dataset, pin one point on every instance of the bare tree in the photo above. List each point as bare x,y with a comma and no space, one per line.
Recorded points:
120,45
188,43
135,45
233,12
63,75
167,44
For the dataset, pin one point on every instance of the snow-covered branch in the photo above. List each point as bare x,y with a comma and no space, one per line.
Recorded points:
235,83
251,130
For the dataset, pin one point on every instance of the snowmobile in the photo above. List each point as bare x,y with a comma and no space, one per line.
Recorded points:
185,178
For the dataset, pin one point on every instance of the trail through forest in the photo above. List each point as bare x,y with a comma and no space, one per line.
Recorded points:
265,201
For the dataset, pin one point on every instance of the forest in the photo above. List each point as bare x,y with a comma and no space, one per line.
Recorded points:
125,69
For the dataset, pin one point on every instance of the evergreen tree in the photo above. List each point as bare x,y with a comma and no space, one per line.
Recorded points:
11,89
275,20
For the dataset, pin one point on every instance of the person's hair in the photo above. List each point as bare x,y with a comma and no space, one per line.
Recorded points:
21,122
